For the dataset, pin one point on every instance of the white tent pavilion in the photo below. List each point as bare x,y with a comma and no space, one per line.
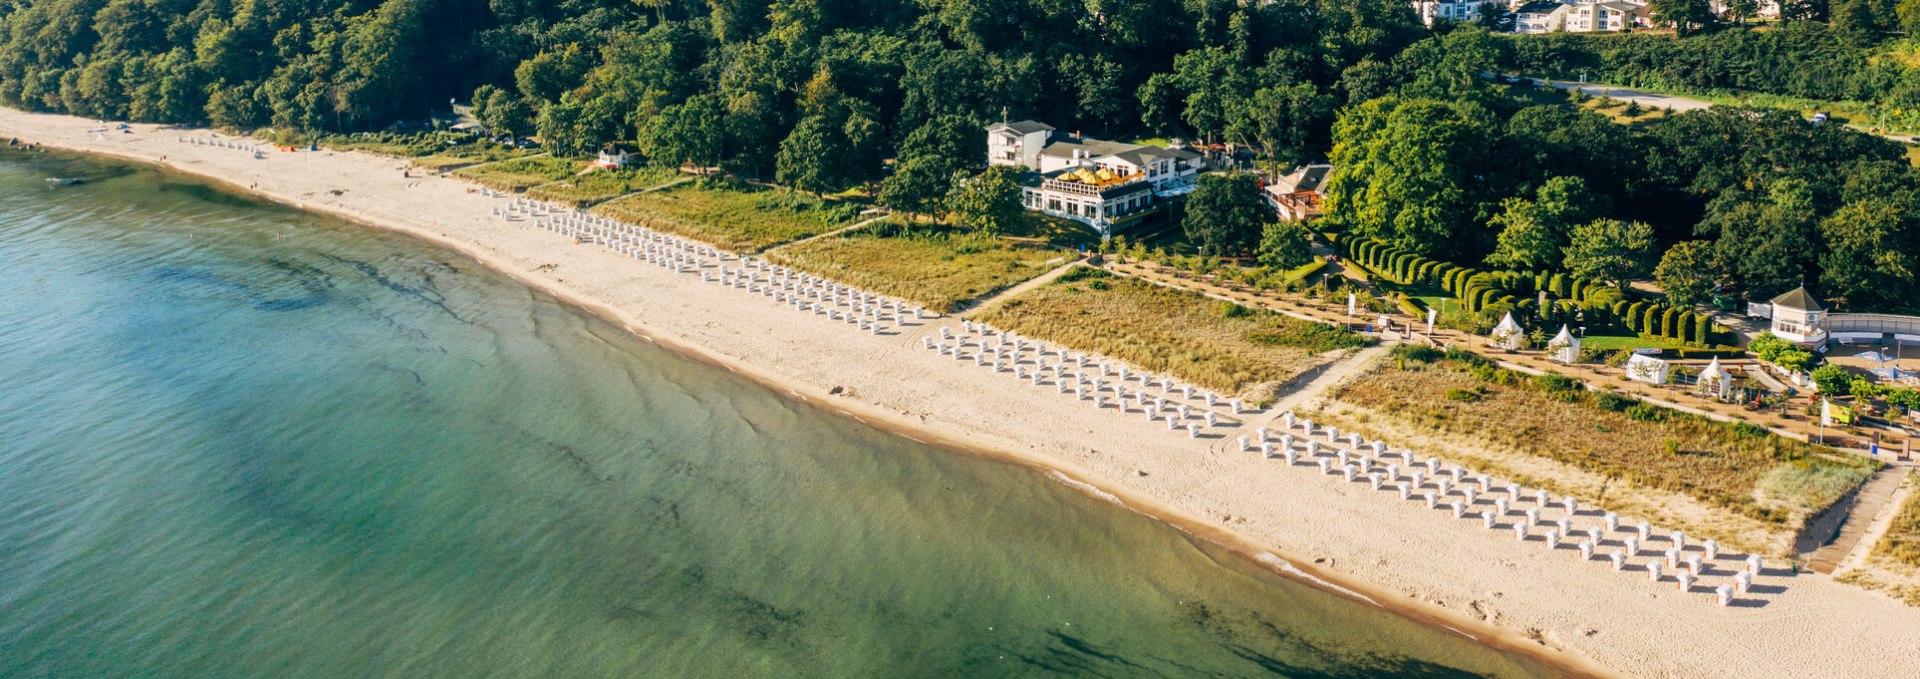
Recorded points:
1644,368
1564,347
1507,334
1716,380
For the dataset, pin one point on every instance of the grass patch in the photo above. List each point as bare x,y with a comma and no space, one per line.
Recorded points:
471,154
1218,345
934,266
602,185
521,174
1768,478
1059,231
1901,544
733,215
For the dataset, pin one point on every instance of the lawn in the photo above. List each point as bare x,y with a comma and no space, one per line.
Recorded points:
732,215
521,174
602,185
1774,481
933,266
1066,233
1218,345
1618,342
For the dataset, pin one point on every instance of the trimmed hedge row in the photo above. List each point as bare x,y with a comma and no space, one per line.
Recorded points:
1566,295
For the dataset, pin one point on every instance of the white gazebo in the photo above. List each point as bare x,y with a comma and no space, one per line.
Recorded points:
1507,334
1716,380
1644,368
1800,318
1564,347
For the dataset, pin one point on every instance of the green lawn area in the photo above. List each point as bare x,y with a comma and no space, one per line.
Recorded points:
602,185
936,267
520,174
1219,345
1057,230
1617,342
733,215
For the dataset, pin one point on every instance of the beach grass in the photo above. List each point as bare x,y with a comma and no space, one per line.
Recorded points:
1214,344
521,174
938,267
1732,466
471,154
601,185
1901,544
733,215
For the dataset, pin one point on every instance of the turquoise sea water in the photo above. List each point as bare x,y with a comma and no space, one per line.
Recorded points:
241,441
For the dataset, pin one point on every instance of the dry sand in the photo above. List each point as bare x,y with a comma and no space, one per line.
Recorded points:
1398,553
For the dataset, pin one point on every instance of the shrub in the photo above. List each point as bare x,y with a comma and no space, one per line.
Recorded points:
1419,353
1646,412
1231,310
1832,380
1462,395
1556,382
1613,402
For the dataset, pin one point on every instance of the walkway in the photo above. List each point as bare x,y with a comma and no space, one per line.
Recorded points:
1678,103
816,237
1862,517
981,304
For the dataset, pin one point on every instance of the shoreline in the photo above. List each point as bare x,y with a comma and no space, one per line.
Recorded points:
1422,594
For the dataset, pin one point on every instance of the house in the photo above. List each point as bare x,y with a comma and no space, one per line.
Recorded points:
1298,195
612,157
1580,16
1540,17
1104,184
1456,10
1800,318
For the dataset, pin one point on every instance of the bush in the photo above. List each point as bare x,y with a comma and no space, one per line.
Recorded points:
1231,310
1462,395
1418,353
1554,382
1832,380
1613,402
1647,412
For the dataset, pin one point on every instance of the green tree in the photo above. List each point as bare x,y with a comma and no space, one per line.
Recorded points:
1873,256
1284,245
694,131
1409,172
1683,16
1685,273
502,112
1533,233
1610,250
1225,214
918,185
988,203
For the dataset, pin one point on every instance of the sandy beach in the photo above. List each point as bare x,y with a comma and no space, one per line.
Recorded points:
1513,594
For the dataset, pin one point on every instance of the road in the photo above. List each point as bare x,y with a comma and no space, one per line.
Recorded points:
1679,104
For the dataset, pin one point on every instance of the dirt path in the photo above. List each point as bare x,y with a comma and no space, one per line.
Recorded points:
1359,362
815,237
990,300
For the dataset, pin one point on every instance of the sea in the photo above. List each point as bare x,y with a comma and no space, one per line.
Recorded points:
239,440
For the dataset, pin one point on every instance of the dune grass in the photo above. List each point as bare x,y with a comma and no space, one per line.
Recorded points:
602,185
937,267
471,154
520,174
1901,544
1737,467
1218,345
732,215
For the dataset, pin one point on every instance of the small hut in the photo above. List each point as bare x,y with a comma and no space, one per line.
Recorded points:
1507,335
612,157
1564,347
1800,318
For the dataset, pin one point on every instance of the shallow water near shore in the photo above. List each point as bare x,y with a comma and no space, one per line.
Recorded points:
241,441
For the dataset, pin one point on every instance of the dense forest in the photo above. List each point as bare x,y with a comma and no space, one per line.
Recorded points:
1432,156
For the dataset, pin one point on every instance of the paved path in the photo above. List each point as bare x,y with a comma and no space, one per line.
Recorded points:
1862,516
1679,104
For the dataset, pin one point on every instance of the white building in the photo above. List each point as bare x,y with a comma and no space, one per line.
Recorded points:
1104,184
612,157
1800,318
1457,10
1579,16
